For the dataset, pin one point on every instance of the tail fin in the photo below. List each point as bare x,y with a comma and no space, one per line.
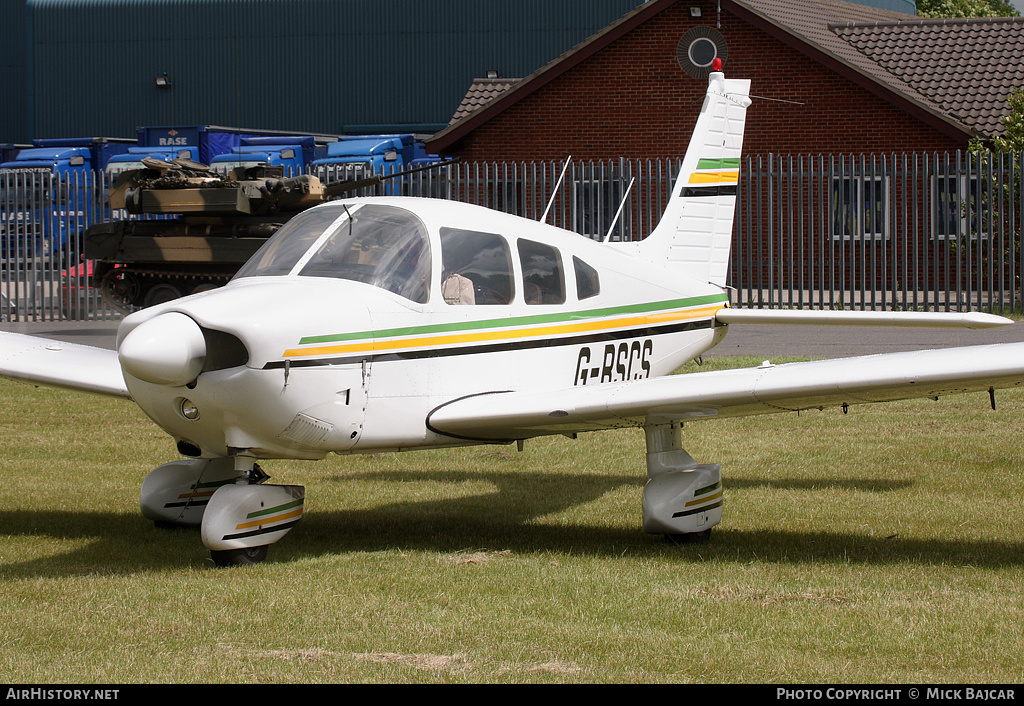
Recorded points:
695,232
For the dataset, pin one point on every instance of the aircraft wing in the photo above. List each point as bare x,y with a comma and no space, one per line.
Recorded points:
44,361
505,416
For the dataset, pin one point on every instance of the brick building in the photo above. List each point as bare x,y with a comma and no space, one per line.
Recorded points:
827,77
855,193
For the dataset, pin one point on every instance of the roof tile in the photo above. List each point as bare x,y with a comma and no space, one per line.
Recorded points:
481,93
967,67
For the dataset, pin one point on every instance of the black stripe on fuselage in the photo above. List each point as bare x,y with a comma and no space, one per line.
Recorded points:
582,339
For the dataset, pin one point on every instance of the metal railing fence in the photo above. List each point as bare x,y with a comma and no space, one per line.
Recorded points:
43,276
905,231
896,231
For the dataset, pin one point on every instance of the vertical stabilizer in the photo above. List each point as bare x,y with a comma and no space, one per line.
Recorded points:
695,232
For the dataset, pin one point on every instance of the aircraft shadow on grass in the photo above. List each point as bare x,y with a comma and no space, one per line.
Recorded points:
509,518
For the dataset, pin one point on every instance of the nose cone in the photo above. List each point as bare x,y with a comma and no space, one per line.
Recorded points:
169,349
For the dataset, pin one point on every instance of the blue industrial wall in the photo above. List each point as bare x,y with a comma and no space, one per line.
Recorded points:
326,66
13,120
89,67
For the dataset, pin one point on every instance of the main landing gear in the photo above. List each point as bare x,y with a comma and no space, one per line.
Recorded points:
239,515
682,499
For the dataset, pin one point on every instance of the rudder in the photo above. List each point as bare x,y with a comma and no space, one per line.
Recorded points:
695,232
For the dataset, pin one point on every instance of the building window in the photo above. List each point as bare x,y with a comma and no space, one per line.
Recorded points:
956,200
860,208
597,192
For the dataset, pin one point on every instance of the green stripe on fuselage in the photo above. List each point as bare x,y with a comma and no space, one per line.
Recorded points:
518,320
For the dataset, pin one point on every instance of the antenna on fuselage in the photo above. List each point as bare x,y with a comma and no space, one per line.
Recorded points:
619,212
554,193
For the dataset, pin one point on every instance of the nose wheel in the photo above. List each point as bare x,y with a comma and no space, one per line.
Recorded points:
239,557
244,518
689,538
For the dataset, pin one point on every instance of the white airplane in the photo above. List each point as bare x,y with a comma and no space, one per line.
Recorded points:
368,325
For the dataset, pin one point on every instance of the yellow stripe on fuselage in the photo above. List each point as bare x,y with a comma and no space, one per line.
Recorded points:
508,335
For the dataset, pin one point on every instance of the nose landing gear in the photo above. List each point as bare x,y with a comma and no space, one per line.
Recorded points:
239,557
243,519
239,514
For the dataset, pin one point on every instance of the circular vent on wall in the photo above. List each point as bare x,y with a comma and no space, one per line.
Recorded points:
698,48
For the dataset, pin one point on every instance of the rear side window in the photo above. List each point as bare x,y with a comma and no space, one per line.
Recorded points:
543,278
476,268
587,282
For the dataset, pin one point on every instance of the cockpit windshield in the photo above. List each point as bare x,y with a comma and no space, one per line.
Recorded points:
383,246
281,253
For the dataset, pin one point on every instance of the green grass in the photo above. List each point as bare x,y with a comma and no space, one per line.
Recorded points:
884,545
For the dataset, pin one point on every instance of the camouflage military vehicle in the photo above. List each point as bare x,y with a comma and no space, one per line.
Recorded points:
197,227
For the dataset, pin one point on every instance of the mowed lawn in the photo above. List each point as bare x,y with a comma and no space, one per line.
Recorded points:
882,545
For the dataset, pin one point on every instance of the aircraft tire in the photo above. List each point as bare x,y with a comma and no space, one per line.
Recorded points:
689,537
165,525
239,557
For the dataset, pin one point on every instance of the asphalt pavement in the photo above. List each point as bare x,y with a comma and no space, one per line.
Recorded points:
101,334
760,340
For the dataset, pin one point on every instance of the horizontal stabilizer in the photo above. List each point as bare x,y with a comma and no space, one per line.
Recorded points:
809,317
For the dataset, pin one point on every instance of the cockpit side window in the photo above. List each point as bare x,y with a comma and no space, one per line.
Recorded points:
587,282
543,278
477,268
379,245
